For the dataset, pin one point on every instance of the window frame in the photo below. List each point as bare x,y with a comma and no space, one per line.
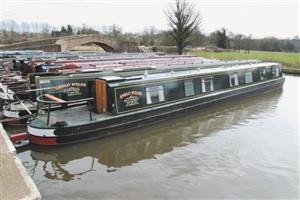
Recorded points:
203,81
189,83
160,92
263,74
235,76
248,72
277,71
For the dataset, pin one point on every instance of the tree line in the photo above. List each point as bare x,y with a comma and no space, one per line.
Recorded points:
12,32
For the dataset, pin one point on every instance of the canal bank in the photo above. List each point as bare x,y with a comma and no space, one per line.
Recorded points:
15,183
290,61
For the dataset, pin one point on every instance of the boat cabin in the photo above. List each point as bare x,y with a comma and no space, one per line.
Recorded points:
117,95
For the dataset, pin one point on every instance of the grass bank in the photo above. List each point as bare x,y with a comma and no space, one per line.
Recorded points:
291,61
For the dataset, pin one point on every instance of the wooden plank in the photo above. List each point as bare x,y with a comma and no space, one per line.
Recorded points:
49,96
98,95
101,96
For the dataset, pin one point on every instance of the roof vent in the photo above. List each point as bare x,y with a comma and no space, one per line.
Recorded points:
146,73
118,69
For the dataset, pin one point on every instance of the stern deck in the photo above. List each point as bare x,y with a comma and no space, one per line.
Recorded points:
73,116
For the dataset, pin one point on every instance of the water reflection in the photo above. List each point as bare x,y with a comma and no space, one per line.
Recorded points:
69,162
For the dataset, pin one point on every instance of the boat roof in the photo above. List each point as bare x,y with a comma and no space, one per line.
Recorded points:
122,81
139,71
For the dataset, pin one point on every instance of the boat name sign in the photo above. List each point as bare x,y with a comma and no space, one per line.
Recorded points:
131,98
67,85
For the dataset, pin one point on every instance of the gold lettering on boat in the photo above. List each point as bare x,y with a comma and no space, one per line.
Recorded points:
131,98
67,85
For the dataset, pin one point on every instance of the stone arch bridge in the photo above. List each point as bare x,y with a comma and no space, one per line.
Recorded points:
69,42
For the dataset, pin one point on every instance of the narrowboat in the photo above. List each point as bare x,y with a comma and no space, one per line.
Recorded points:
120,103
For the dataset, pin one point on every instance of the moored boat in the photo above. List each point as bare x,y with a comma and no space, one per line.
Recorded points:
69,76
119,103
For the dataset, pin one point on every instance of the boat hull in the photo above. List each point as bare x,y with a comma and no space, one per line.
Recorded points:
123,123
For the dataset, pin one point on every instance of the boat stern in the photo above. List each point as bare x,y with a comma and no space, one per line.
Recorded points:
41,134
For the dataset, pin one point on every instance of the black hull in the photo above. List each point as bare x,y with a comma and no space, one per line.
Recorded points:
123,123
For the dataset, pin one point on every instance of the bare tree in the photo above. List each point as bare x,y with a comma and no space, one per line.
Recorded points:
35,28
25,28
45,29
247,43
237,42
11,26
148,36
115,31
184,20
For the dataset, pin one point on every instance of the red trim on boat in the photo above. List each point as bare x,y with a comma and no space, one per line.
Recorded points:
19,136
43,140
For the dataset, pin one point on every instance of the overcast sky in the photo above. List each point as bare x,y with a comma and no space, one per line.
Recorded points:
279,18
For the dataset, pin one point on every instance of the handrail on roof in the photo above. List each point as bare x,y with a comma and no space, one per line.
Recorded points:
40,99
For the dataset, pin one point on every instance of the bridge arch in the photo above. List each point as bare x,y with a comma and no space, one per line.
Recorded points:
104,46
68,42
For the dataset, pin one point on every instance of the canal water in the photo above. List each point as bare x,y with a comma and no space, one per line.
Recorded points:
246,147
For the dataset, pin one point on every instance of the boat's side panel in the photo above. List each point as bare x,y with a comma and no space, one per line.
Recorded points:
138,96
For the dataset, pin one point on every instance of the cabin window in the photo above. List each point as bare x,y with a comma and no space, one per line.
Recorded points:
221,82
269,73
155,94
263,74
174,90
207,85
234,80
277,71
189,88
280,70
241,77
248,77
256,75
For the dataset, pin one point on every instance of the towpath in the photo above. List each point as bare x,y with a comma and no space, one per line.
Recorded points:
15,183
